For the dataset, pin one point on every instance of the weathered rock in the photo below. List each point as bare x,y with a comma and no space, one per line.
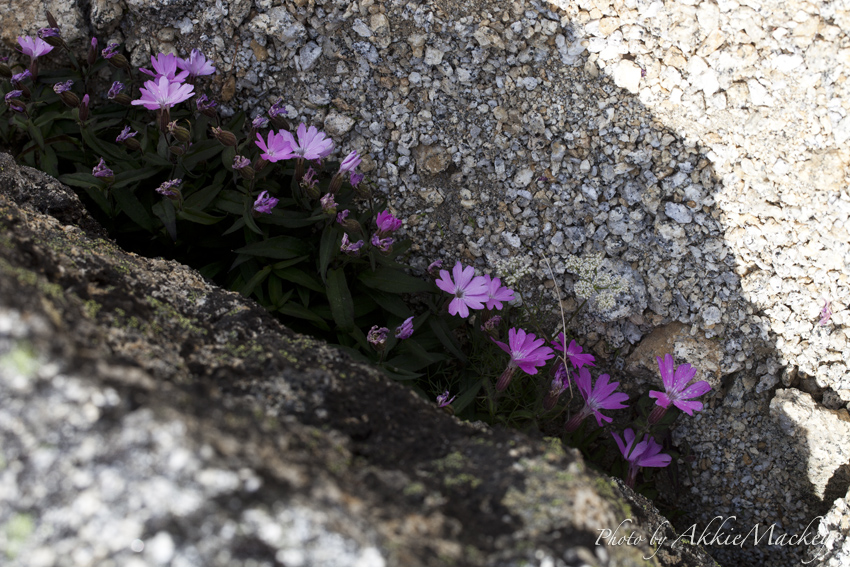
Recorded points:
150,418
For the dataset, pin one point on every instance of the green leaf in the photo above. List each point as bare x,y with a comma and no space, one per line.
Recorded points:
293,309
328,248
240,222
466,398
84,180
276,293
399,374
301,278
201,151
339,298
447,339
133,208
255,280
99,196
127,177
164,209
394,281
49,162
109,152
391,303
279,247
248,216
291,219
196,216
202,198
35,134
286,263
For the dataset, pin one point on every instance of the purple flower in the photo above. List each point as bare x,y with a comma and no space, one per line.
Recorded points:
21,77
350,162
115,90
240,162
443,399
311,143
12,95
196,65
277,108
491,324
328,204
125,134
167,188
355,179
560,382
34,47
163,94
405,330
260,122
387,223
352,249
101,171
377,337
382,244
342,216
677,391
600,397
264,203
60,88
647,453
276,148
205,103
165,65
527,353
309,180
109,51
84,108
470,291
496,293
573,352
434,266
48,32
825,313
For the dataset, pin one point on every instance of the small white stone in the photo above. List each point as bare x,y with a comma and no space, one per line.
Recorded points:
523,178
627,76
678,212
433,56
361,29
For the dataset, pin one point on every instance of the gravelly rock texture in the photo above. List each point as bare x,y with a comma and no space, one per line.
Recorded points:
149,418
702,146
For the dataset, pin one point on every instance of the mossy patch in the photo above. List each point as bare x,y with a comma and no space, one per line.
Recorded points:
21,360
18,530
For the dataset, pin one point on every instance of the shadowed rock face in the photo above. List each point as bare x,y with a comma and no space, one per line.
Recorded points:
150,418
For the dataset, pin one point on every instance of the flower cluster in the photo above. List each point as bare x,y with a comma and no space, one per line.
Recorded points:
595,282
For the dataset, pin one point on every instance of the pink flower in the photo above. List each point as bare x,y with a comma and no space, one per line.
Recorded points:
350,163
350,248
377,337
443,399
100,170
405,330
163,94
165,65
573,352
526,350
311,143
677,391
264,204
387,223
560,382
34,47
600,397
470,291
647,453
196,65
276,149
497,293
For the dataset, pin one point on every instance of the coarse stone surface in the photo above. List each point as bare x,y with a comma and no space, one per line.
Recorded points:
150,418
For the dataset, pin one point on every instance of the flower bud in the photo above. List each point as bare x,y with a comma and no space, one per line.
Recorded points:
51,36
177,150
336,183
51,21
84,108
131,144
119,62
180,133
5,71
226,138
70,99
91,57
